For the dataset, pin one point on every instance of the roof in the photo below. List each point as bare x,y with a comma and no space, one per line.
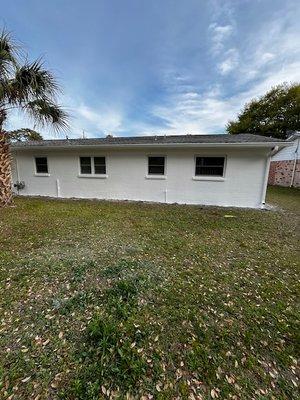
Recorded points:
172,140
295,135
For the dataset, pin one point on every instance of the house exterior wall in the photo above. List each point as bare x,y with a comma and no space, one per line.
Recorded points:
242,185
281,173
285,166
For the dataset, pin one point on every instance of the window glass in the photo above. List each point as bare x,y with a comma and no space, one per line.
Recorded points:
85,165
100,165
156,165
211,166
41,165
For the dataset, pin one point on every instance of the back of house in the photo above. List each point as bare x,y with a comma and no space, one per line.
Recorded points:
285,164
222,170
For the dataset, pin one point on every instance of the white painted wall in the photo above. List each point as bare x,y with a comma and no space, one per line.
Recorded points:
126,179
288,153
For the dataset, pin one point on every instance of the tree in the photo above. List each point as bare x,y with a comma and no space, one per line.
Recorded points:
28,87
23,134
273,114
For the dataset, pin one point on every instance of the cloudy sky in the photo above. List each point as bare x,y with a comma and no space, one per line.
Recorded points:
136,67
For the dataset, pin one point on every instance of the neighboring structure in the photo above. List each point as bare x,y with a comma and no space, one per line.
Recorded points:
285,165
222,170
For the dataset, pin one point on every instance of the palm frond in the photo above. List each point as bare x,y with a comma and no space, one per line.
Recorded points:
45,112
8,54
32,81
28,86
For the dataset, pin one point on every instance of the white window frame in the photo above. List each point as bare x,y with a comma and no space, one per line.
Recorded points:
41,174
156,176
210,177
92,174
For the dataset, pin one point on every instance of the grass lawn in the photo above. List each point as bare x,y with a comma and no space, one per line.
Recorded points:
124,300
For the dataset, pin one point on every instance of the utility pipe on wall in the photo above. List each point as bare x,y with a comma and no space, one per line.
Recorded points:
57,188
17,170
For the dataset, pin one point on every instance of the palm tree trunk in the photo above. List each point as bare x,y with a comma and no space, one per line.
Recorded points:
5,171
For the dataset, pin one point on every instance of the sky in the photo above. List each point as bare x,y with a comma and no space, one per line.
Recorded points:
142,67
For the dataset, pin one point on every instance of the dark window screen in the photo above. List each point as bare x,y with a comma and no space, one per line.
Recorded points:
99,164
85,165
41,164
211,166
156,165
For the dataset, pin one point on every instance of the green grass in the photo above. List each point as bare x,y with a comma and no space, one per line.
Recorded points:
129,300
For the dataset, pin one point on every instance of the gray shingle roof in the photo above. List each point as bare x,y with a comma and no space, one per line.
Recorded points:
148,140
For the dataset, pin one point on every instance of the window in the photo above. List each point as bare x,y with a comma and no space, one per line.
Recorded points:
85,165
93,165
99,164
210,166
156,165
41,165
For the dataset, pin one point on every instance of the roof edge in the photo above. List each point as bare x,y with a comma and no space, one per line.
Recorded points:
141,145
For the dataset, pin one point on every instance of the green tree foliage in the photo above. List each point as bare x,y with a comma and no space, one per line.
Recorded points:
23,134
273,114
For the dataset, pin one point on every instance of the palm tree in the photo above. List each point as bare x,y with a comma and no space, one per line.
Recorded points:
29,87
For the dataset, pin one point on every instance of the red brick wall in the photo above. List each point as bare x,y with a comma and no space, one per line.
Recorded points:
272,173
281,173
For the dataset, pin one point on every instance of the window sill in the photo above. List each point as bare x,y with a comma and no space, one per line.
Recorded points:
41,174
155,177
209,178
93,176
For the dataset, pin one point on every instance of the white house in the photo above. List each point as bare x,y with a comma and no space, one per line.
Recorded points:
222,170
285,165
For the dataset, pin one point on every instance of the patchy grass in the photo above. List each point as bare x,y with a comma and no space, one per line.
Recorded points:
125,300
286,198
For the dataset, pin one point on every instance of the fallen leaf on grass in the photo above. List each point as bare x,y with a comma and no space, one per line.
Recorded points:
230,379
24,350
214,393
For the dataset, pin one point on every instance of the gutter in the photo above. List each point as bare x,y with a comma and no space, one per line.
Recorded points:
295,164
266,176
171,145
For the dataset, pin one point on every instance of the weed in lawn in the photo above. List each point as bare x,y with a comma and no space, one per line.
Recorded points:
112,360
124,266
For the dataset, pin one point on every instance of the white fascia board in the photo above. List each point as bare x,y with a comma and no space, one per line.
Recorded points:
165,145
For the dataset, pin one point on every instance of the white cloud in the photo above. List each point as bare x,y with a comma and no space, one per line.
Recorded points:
106,120
266,57
219,34
271,51
210,111
229,63
93,121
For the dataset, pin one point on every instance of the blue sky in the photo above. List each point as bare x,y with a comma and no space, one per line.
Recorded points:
140,67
